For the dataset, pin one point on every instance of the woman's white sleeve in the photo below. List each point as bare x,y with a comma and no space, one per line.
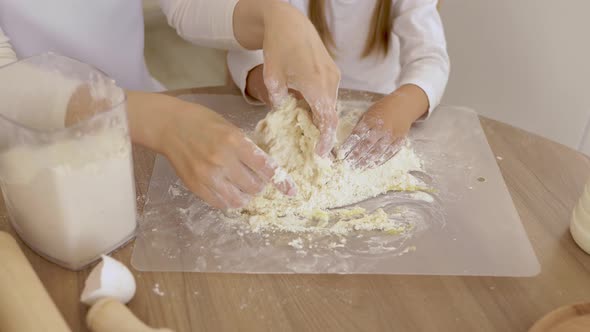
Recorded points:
7,55
204,22
423,49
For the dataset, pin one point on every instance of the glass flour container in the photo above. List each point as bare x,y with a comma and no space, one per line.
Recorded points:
580,221
65,159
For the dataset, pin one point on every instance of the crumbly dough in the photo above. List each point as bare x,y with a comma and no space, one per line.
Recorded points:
323,184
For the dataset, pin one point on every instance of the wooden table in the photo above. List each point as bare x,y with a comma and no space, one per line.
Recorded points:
545,180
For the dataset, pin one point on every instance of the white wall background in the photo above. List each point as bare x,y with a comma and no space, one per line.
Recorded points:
524,62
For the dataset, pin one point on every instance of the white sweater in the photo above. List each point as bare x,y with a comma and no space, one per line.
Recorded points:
108,34
417,54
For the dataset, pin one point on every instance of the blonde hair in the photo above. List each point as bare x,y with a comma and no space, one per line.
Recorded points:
378,38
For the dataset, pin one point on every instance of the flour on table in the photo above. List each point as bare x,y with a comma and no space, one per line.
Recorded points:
323,184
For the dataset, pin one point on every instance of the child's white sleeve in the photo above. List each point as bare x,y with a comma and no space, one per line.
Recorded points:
423,49
239,64
7,55
205,22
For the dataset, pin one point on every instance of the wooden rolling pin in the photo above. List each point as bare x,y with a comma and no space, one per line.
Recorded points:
25,305
109,315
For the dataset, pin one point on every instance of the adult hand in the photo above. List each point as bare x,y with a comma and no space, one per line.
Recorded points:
256,89
294,57
215,160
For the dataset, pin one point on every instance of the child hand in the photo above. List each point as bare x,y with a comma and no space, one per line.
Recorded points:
377,137
381,132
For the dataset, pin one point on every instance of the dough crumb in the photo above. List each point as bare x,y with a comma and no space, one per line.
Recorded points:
297,243
157,290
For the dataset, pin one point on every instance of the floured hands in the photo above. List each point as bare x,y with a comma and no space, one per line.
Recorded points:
295,57
214,159
377,137
382,130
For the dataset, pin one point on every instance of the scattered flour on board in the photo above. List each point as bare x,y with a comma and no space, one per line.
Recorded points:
297,243
157,290
174,191
323,184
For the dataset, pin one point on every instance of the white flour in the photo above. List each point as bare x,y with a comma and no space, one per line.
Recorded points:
69,205
289,136
72,197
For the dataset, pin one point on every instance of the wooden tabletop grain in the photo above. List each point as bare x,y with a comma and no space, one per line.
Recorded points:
545,180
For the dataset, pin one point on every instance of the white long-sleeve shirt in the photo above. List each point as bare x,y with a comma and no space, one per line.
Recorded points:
417,53
108,34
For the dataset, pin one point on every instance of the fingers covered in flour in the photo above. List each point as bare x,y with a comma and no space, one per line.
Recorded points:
326,120
209,196
363,149
391,151
266,168
245,180
234,197
380,153
378,136
304,64
324,114
359,133
276,83
213,157
369,159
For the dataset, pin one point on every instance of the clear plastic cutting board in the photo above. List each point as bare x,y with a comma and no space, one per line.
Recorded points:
469,226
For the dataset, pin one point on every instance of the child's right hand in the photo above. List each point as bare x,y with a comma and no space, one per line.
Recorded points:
213,158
